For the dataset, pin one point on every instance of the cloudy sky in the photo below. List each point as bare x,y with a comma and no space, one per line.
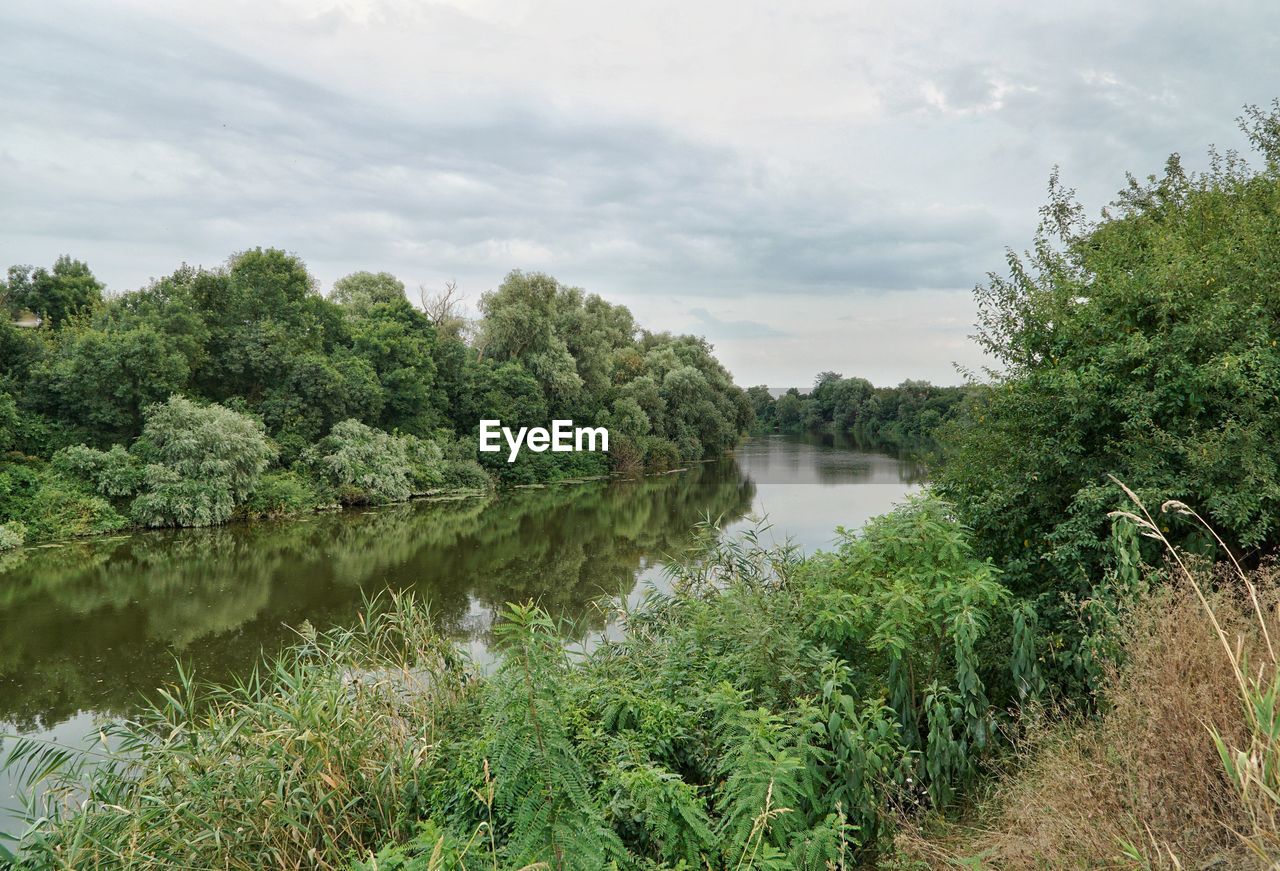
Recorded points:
810,185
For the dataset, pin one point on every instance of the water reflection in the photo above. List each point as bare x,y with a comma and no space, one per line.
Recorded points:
87,629
806,486
94,625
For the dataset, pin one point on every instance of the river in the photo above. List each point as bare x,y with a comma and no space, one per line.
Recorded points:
88,628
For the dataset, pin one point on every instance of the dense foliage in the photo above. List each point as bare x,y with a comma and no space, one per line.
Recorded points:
289,400
1143,346
906,416
769,713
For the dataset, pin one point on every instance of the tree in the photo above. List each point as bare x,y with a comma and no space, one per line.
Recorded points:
519,325
762,405
201,461
359,291
397,341
261,310
316,392
8,422
1141,346
444,310
103,377
788,410
54,295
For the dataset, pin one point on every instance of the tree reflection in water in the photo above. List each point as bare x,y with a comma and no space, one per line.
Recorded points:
92,626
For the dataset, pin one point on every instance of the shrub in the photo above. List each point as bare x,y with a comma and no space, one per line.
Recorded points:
426,463
660,455
12,535
115,473
536,468
465,475
626,455
369,465
201,462
8,422
63,510
279,494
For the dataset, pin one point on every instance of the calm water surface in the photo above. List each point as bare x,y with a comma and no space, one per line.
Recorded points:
87,628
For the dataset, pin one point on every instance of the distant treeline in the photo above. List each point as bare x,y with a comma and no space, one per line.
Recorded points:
908,415
242,390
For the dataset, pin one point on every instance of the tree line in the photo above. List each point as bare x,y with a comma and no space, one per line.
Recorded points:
243,391
909,415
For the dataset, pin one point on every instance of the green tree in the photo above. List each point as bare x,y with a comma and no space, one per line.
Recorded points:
56,294
103,377
360,291
201,461
520,325
1142,345
398,342
261,310
8,422
788,410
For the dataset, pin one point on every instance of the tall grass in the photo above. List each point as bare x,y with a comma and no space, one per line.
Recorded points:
1251,764
1178,769
769,713
297,766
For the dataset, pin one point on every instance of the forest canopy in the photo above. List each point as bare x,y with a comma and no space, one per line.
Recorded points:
360,396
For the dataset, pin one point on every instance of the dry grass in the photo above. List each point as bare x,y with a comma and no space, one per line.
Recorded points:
1144,786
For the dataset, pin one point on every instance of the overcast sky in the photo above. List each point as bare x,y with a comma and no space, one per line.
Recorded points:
810,185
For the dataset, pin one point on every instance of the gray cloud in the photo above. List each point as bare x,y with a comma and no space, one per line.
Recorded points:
171,141
717,328
880,160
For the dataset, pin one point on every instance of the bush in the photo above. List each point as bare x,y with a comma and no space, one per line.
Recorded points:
114,473
660,455
365,464
62,510
201,462
8,421
426,464
464,475
49,505
12,535
536,468
280,494
626,455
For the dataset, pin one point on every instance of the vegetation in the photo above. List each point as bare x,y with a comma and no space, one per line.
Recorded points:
1142,345
1176,771
907,416
770,712
1023,667
172,405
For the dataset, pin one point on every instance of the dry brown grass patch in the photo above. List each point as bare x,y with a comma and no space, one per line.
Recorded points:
1147,773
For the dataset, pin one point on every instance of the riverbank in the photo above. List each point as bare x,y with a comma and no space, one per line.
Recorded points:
88,630
731,722
64,498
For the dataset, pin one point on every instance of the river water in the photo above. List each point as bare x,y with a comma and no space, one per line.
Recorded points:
86,629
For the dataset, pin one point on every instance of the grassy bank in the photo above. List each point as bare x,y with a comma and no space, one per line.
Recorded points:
879,706
771,713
